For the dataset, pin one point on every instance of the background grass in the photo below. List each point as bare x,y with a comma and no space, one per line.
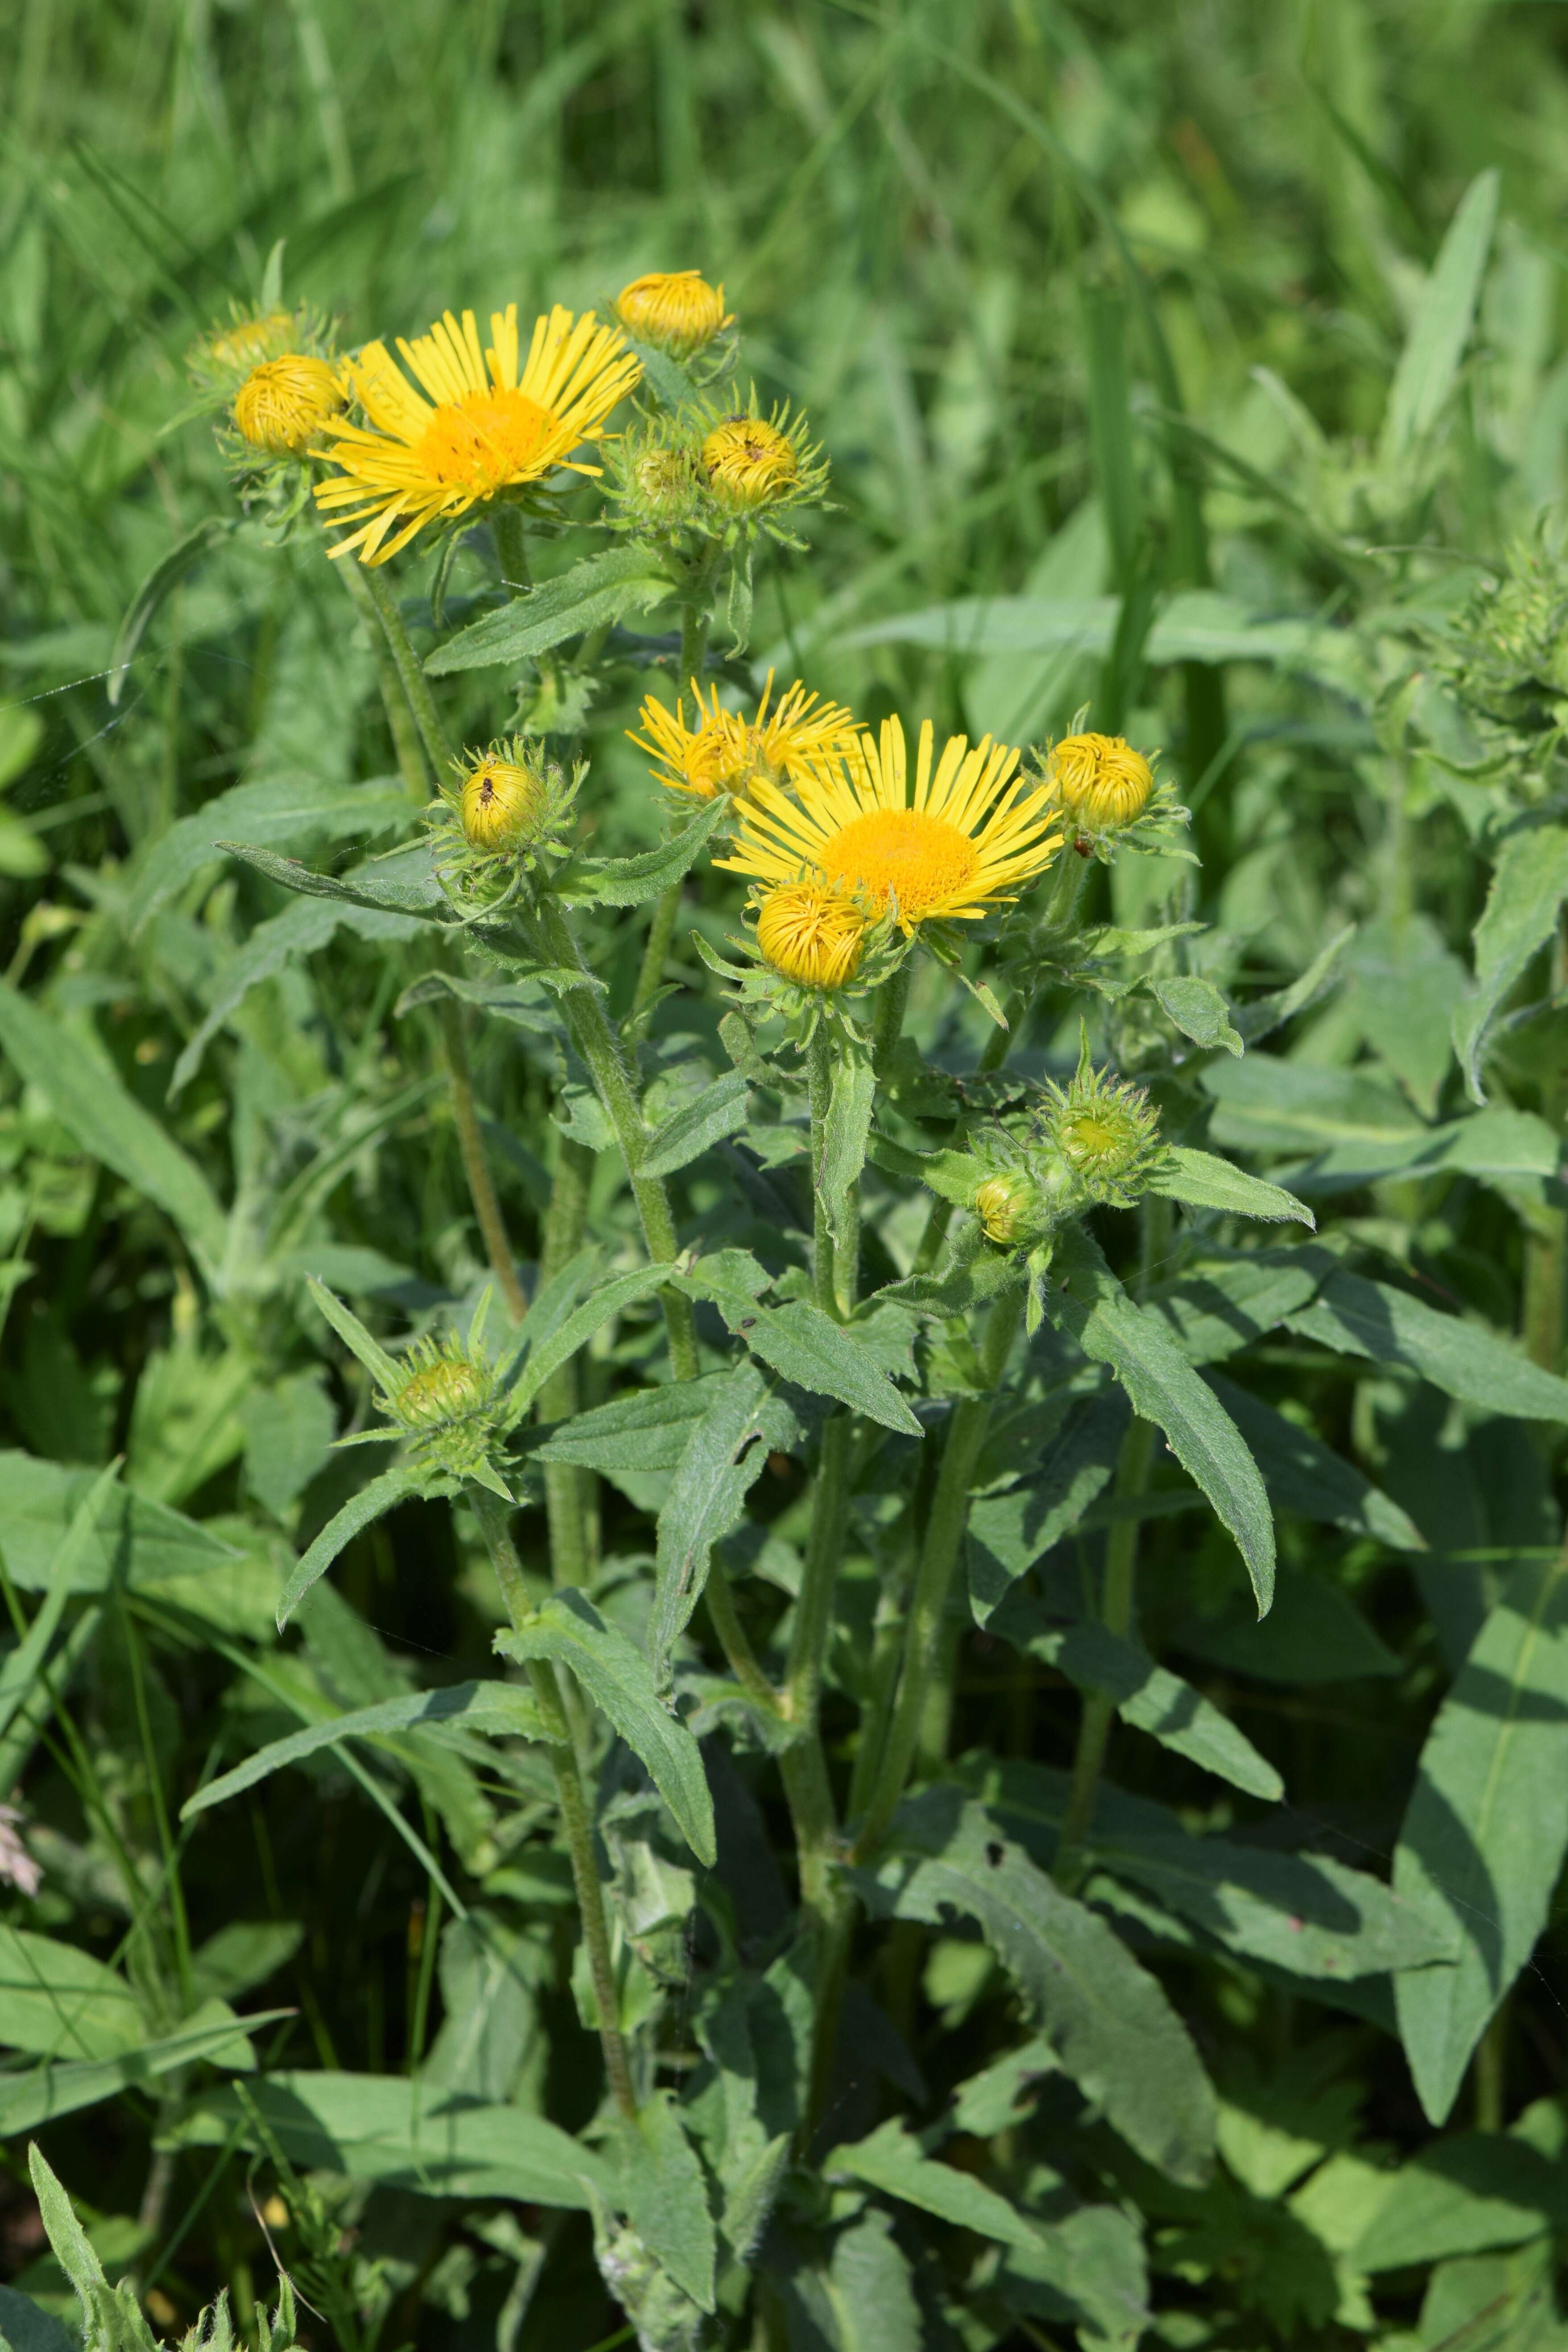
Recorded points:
999,252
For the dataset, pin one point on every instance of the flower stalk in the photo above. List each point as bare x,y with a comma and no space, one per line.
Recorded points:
476,1166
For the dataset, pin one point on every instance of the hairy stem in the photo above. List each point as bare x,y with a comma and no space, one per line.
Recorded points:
494,1518
476,1166
933,1577
511,546
1118,1599
601,1049
734,1639
655,949
416,685
568,1489
696,621
406,741
887,1023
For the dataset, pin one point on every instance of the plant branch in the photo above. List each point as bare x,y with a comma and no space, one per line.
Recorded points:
476,1166
416,685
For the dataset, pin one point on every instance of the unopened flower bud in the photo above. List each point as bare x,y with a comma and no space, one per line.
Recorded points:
1101,779
284,402
749,463
811,934
1008,1208
500,805
675,310
444,1390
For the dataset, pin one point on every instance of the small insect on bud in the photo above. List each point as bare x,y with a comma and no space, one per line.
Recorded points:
675,310
501,804
1101,779
1008,1209
283,404
749,463
811,934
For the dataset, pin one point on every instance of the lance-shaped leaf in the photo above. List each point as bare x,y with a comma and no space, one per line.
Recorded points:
719,1110
845,1133
1108,2021
1198,1010
591,595
1373,1319
1148,1697
804,1345
648,1430
628,881
402,884
372,1502
547,1355
159,584
382,1368
1303,1474
1529,885
1165,1389
569,1629
1226,1302
1203,1180
1487,1825
1430,363
893,2160
287,811
721,1461
213,2033
665,2196
85,1093
496,1708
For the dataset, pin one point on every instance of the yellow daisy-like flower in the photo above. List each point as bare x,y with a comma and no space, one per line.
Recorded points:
675,310
284,402
749,462
958,844
812,934
486,427
727,754
1101,779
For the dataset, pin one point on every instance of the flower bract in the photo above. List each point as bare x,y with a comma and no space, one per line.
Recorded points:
959,837
726,752
284,402
481,425
675,310
812,934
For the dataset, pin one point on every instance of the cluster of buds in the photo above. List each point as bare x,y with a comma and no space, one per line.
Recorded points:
1504,658
506,810
1093,1143
715,472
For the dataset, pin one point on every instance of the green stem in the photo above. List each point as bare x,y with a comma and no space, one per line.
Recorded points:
655,949
819,1084
813,1621
494,1517
1059,914
567,1488
733,1639
1117,1600
601,1049
416,685
476,1166
406,741
888,1021
511,546
933,1577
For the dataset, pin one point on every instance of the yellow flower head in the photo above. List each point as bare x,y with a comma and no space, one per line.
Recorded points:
1101,779
727,754
284,402
675,310
749,463
810,933
481,425
500,804
958,844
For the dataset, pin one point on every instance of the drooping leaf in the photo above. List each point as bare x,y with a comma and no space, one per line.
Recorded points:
1146,1696
1373,1319
568,1629
403,885
1467,2192
159,584
722,1458
372,1502
1204,1181
407,2134
496,1708
892,2160
1529,885
1165,1389
1487,1826
666,2198
719,1110
62,2087
86,1094
1106,2019
593,594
